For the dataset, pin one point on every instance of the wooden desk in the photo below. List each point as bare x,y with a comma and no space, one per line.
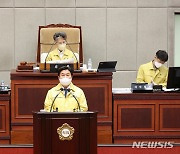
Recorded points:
28,91
146,117
4,119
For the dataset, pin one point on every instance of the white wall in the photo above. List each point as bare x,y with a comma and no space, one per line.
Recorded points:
129,31
177,41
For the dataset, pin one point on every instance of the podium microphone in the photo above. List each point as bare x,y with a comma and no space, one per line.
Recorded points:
55,99
75,57
79,109
45,69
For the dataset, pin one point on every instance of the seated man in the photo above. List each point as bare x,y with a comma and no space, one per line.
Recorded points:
65,96
154,72
61,52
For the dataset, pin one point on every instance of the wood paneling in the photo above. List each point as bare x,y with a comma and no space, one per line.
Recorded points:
137,118
104,134
28,99
1,119
28,91
169,117
4,119
21,136
146,117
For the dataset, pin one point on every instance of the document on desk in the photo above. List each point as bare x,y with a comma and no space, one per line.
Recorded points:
65,61
171,89
121,90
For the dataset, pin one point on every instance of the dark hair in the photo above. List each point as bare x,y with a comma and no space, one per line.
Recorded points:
65,68
60,34
162,55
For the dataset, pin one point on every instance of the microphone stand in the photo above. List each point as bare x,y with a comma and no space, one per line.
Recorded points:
45,69
55,99
69,90
77,70
76,101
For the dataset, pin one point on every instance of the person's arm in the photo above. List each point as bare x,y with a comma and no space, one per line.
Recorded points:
48,102
140,75
164,84
83,102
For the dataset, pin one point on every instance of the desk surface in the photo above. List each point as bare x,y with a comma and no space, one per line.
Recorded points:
15,74
147,96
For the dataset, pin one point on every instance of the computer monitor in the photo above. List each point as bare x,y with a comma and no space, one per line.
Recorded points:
173,78
55,66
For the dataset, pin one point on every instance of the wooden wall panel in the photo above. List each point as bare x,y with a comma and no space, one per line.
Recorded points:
1,119
169,117
96,99
4,108
138,118
146,117
27,96
133,117
21,136
4,119
99,97
31,99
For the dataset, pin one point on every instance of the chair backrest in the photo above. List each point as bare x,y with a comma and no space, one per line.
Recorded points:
45,39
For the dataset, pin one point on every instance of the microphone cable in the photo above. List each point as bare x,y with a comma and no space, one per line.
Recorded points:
43,71
55,99
76,100
73,54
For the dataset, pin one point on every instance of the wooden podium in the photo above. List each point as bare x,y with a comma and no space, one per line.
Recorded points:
65,132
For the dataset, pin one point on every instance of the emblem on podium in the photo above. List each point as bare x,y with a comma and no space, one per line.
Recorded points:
65,132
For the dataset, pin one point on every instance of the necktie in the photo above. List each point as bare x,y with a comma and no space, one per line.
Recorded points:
65,91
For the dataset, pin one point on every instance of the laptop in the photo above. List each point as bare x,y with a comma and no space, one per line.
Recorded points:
107,66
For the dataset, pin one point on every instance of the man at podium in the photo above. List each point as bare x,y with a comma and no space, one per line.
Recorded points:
61,52
65,96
